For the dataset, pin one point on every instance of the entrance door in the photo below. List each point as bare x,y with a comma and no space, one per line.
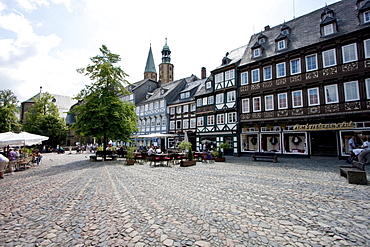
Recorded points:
323,143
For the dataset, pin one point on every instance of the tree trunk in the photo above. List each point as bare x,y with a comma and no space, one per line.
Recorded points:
105,146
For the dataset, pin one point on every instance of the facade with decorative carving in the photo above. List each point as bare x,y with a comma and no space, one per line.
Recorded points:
304,85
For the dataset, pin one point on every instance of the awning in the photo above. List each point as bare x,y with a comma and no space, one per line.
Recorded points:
155,135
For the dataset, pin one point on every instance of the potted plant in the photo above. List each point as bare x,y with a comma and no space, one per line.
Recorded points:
186,146
219,155
130,156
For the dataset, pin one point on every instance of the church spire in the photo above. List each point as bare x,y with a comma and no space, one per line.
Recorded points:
166,54
150,71
166,67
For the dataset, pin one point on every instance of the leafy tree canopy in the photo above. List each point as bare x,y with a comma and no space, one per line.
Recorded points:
102,113
43,119
8,110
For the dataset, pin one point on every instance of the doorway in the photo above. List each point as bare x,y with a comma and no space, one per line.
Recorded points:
323,143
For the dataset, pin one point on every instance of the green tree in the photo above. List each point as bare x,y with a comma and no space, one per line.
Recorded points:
102,114
8,110
43,119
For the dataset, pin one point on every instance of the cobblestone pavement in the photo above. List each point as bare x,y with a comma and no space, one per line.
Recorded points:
69,201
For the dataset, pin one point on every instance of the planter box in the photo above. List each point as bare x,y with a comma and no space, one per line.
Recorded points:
220,159
188,163
130,162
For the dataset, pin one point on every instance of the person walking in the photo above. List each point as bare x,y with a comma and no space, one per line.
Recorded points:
12,155
3,161
364,155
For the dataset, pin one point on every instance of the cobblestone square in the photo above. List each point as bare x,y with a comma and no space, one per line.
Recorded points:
69,201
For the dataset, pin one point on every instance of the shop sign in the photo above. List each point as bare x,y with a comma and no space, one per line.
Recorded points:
320,126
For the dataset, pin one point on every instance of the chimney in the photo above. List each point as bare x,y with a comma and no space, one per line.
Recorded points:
204,73
267,27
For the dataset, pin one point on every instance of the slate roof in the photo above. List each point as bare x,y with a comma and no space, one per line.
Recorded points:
305,31
192,87
202,88
233,57
150,66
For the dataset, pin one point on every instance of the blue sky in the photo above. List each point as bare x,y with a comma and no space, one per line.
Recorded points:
43,42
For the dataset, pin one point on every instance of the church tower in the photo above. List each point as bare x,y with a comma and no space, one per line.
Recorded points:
150,71
166,67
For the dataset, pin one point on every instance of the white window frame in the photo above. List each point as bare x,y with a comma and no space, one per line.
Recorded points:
246,105
164,121
280,70
219,77
267,76
205,101
281,45
185,109
193,122
231,117
269,102
220,118
220,98
199,102
172,125
257,52
230,96
331,87
366,16
255,75
367,48
172,110
158,121
211,100
298,67
244,78
208,85
294,103
178,109
193,107
229,75
185,124
328,29
367,85
351,91
329,58
257,104
285,101
349,53
210,120
317,94
200,121
308,68
161,103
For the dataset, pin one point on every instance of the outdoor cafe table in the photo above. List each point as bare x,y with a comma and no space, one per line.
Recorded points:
161,158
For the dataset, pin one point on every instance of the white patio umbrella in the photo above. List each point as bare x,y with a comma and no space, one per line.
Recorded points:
22,139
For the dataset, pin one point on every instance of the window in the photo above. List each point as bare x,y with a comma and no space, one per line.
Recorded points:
161,103
156,105
281,45
172,125
230,96
199,102
186,108
245,106
367,16
178,124
255,75
172,110
193,107
269,102
231,117
257,104
328,29
282,101
158,122
210,100
267,73
257,52
178,109
220,119
297,98
150,106
295,66
210,120
185,124
311,62
367,84
192,123
244,78
280,70
329,58
146,107
219,98
230,74
164,121
331,94
200,121
205,101
313,96
367,48
208,85
185,95
351,92
349,53
219,77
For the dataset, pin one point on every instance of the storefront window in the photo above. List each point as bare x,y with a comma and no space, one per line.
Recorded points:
360,137
250,142
295,143
270,142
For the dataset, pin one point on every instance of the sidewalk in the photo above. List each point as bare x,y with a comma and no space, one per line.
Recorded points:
69,201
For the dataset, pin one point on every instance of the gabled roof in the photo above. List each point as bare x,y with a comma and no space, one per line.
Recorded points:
192,87
233,57
305,31
150,66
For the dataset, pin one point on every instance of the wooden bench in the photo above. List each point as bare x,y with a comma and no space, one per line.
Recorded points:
265,156
100,154
355,174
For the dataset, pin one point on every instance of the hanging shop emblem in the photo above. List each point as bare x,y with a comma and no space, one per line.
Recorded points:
320,126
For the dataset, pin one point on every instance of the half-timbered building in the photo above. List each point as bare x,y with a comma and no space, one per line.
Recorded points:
304,85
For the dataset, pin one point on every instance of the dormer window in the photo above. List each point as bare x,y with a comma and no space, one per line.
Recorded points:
185,95
262,39
208,85
364,11
257,50
328,23
285,30
366,16
328,29
281,42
